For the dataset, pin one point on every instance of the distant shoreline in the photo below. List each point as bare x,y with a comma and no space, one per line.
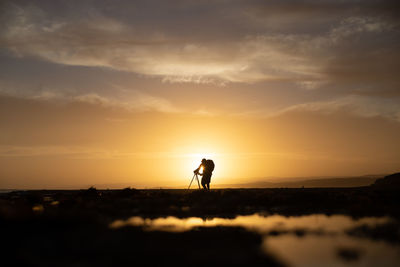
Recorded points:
312,182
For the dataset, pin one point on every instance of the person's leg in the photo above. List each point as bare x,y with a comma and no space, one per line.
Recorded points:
203,183
206,180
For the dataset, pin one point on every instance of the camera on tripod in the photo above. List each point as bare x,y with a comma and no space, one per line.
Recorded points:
195,176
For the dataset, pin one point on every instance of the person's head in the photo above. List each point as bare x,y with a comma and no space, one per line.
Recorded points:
203,161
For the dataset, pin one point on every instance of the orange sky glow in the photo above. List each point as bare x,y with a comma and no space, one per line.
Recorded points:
102,95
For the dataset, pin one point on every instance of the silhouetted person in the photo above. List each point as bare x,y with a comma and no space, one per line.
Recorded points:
208,167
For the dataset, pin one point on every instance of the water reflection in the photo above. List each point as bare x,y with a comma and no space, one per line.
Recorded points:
325,250
311,240
256,222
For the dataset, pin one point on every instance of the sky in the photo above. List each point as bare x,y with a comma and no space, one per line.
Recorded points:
115,93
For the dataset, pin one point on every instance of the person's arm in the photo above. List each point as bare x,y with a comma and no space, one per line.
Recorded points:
198,169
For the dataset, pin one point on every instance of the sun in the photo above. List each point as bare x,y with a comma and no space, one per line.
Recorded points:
188,162
187,156
194,159
201,170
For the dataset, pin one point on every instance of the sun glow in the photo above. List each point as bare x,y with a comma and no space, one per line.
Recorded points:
186,163
201,170
192,161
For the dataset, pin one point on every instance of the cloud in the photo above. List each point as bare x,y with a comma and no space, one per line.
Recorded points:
361,106
349,49
113,45
43,151
122,98
72,152
137,101
343,50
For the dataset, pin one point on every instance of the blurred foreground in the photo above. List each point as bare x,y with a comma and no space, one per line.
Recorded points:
275,227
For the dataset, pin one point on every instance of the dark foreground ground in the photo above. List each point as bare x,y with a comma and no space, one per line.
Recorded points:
71,228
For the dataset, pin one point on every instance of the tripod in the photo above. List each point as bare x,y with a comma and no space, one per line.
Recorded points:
197,178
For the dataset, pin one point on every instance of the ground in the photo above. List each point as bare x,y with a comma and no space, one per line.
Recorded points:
64,228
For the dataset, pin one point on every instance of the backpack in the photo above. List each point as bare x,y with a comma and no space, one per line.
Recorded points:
210,165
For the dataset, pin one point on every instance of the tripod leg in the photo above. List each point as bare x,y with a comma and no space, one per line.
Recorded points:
191,181
197,178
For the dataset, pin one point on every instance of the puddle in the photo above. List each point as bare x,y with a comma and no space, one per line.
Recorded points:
256,222
324,250
311,240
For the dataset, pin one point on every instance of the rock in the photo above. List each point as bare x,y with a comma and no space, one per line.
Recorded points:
388,182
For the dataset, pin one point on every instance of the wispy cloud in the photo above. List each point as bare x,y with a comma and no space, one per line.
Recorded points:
265,55
349,53
130,100
362,106
138,101
71,152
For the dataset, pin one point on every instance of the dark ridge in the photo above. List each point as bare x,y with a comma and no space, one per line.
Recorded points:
391,181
